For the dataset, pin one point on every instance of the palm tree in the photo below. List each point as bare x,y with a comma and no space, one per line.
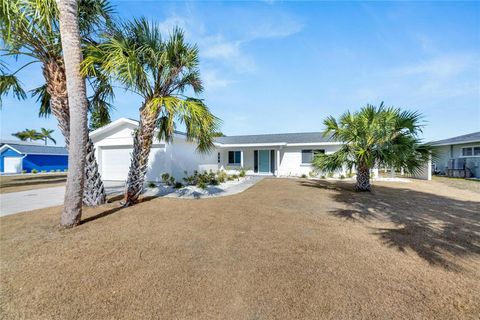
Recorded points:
28,134
30,28
78,105
160,72
46,134
382,136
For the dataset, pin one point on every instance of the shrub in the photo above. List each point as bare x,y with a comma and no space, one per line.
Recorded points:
230,178
178,185
312,174
65,170
171,181
330,175
165,178
350,174
222,176
151,184
202,185
242,173
34,171
342,177
44,171
323,177
303,176
24,171
58,170
53,170
234,176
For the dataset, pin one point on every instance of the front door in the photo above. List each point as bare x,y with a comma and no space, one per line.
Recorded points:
264,161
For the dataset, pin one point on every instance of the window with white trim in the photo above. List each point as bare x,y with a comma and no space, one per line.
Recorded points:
234,157
470,151
307,155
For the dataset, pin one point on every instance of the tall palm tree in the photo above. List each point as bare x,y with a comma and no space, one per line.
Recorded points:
30,28
28,134
78,107
160,72
384,136
46,134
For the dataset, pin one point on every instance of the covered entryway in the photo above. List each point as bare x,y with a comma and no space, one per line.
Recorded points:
264,161
12,164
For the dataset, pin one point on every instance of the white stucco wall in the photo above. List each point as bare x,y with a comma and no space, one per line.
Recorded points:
445,153
174,158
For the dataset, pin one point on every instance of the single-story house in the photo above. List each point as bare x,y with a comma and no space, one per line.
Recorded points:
18,156
288,154
458,156
279,155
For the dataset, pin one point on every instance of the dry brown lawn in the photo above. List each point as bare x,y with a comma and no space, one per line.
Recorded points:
465,184
25,182
284,249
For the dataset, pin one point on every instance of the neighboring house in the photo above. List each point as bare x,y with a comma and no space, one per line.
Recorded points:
16,156
458,156
270,154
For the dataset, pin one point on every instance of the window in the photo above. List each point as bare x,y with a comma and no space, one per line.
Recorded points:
234,157
476,151
467,152
218,157
307,155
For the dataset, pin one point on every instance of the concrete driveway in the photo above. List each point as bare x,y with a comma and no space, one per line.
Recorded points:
15,202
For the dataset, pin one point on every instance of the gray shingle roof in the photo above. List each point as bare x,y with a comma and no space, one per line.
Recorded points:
305,137
36,149
471,137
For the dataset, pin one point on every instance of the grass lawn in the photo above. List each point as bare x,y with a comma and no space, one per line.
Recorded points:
25,182
283,249
460,183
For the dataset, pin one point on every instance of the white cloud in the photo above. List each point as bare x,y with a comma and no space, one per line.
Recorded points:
441,66
212,80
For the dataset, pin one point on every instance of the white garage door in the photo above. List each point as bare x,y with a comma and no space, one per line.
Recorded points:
12,165
115,163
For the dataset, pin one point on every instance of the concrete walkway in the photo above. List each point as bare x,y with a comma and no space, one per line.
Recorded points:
15,202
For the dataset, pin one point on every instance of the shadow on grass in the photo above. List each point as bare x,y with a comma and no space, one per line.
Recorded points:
115,209
433,226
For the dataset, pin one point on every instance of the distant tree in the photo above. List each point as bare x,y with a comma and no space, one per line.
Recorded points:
28,134
46,134
218,134
383,136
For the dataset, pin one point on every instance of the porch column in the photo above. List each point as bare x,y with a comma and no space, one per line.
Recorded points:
277,162
241,159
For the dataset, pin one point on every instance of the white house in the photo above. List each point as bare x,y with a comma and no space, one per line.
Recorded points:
287,154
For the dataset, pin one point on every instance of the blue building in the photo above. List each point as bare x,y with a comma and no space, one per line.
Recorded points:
17,156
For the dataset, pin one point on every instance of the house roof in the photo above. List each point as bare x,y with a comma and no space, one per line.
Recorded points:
119,122
36,149
277,138
466,138
12,141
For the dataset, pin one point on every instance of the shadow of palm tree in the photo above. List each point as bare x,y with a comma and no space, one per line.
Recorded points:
437,228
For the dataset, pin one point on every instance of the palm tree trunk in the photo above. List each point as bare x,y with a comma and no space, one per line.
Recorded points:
78,105
54,73
363,179
142,143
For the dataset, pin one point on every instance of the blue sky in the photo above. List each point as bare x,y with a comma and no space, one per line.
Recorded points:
272,67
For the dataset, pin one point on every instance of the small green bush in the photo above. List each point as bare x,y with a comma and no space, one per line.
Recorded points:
34,171
151,184
178,185
165,178
202,185
323,177
58,170
350,174
242,173
312,174
222,176
24,171
303,176
171,181
342,177
44,171
234,176
230,178
330,175
53,170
